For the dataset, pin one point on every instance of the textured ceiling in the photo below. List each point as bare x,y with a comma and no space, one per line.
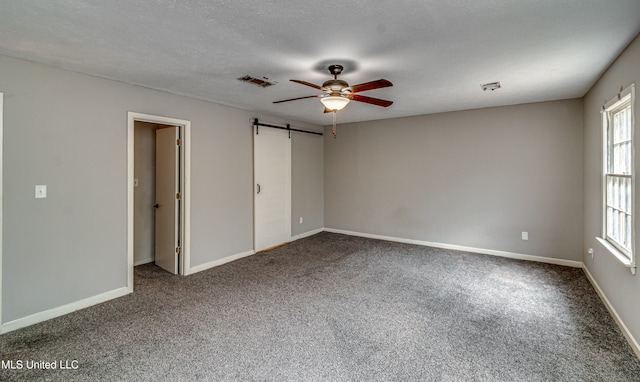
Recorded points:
436,53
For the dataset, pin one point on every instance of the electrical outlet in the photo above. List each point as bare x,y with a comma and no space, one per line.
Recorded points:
525,235
590,251
301,219
41,191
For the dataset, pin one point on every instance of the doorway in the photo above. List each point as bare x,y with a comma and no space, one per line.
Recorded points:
158,193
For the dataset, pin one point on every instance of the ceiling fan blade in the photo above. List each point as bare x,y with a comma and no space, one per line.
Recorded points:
381,83
294,99
307,83
371,100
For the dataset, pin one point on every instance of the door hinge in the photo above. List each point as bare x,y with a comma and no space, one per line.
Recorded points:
178,142
177,250
178,195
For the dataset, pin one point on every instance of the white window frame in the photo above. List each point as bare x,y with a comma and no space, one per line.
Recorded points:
626,256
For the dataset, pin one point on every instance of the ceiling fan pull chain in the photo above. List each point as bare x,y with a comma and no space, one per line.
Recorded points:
334,125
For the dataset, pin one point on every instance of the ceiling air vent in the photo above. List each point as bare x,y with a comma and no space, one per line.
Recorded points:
491,86
262,82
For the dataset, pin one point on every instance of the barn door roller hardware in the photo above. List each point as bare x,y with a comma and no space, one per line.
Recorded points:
287,127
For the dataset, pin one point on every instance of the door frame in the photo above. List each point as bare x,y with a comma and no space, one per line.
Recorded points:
185,254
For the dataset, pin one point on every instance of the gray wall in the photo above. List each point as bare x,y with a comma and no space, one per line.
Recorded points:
307,183
474,178
69,131
621,288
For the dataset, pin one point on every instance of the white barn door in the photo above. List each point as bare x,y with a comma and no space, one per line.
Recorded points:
272,182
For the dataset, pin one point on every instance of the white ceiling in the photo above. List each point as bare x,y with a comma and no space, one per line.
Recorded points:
436,53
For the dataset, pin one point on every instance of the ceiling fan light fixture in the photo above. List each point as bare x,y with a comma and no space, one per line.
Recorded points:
335,103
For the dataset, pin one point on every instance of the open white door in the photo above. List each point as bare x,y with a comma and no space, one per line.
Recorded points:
167,199
272,194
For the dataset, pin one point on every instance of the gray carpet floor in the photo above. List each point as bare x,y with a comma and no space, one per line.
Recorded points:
339,308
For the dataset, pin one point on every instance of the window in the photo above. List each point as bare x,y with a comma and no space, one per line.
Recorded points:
619,176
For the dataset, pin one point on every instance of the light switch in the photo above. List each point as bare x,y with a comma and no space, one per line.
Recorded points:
41,191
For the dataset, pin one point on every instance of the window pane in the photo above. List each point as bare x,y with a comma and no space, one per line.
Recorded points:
629,197
618,225
623,195
628,243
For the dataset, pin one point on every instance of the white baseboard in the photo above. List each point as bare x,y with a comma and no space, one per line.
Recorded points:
511,255
306,234
62,310
625,331
216,263
144,261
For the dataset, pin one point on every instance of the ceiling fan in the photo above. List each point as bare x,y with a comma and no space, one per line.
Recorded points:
336,94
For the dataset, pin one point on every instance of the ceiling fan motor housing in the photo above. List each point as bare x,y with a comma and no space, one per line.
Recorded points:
336,87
